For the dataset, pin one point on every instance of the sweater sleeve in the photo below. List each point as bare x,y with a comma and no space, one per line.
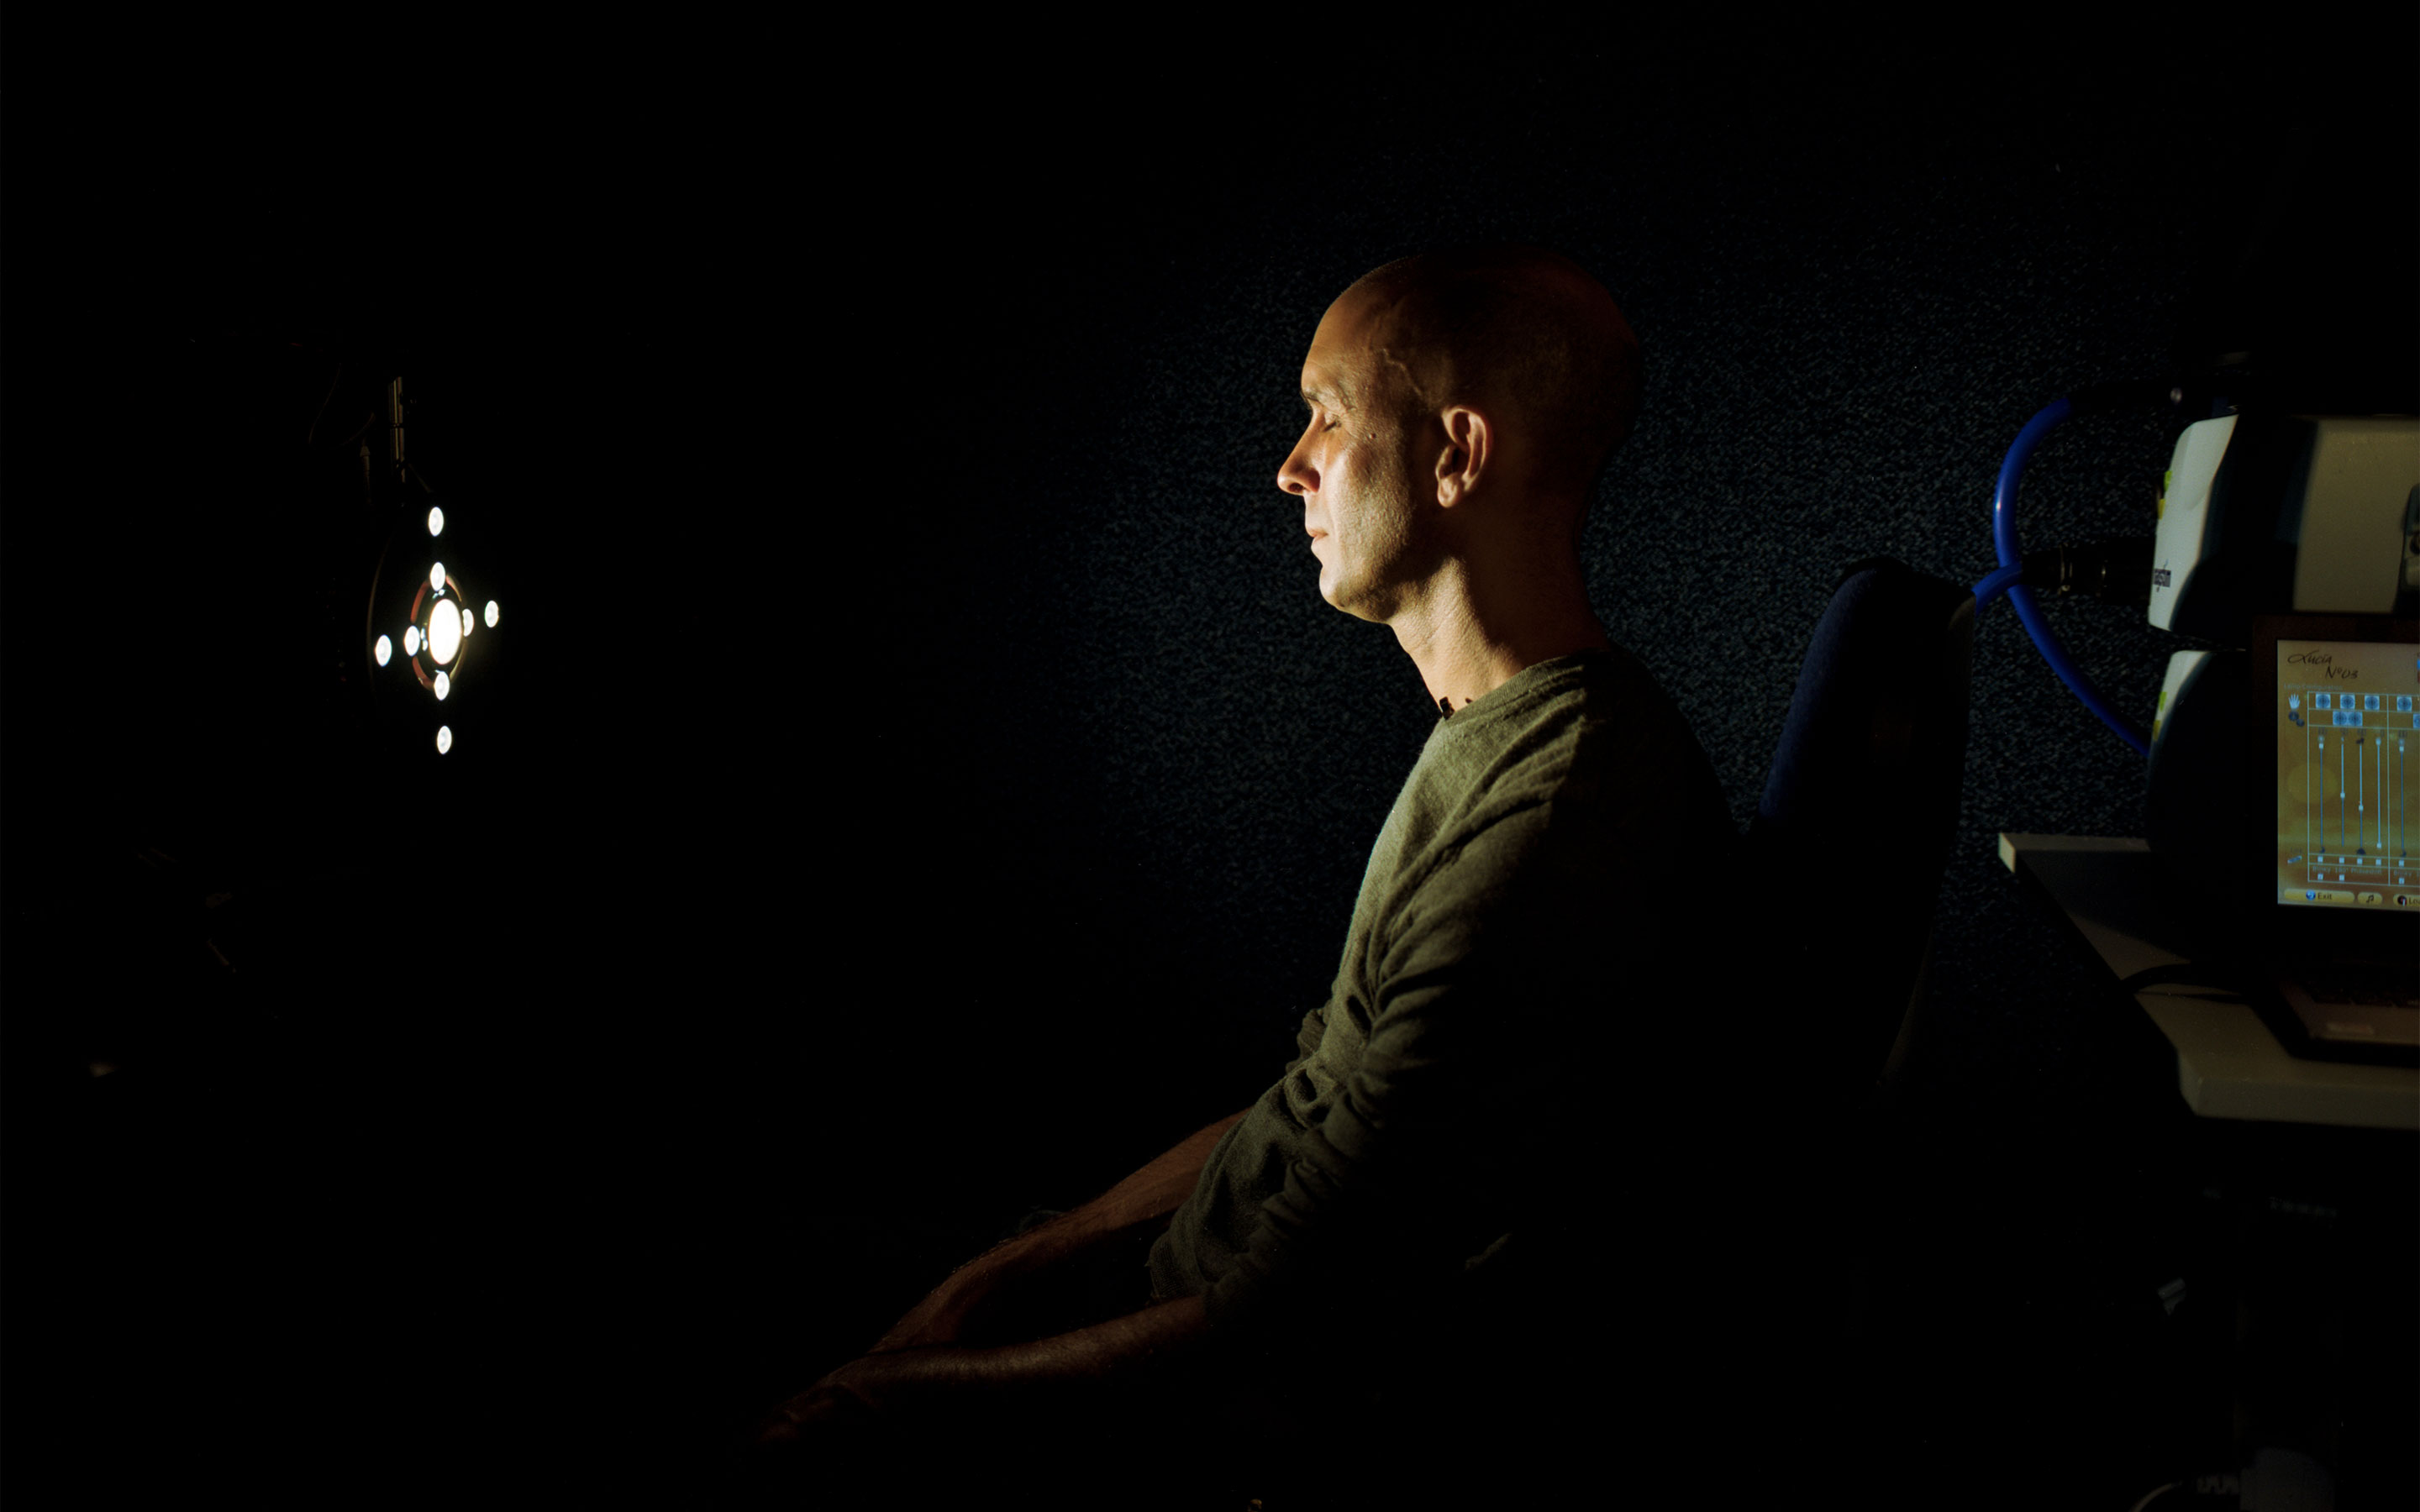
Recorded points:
1305,1039
1462,1102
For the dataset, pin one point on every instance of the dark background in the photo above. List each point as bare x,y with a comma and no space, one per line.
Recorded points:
920,779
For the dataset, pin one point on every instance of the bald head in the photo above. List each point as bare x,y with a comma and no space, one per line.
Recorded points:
1523,334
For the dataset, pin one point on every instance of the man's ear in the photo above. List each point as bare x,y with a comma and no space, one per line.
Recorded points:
1469,446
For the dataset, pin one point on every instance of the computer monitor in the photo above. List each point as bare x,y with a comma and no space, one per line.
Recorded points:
2332,814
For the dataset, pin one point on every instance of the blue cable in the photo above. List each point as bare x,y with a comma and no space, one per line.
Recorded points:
2021,598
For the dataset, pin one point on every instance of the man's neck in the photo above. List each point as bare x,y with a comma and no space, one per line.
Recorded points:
1468,644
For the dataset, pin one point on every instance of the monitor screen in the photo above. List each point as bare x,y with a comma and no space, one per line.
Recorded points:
2345,793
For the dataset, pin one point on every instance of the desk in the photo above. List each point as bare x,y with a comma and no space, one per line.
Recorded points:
2228,1065
2296,1306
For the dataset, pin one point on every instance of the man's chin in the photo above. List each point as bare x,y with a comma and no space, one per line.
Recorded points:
1358,609
1346,599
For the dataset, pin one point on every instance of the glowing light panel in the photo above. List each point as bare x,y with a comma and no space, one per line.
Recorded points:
411,640
445,684
436,520
445,632
445,738
385,650
436,576
469,620
491,614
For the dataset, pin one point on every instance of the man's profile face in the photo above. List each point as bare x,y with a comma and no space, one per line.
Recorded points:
1350,470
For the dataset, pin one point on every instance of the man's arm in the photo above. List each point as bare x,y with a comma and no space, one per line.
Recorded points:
1143,1362
1136,1351
1148,1198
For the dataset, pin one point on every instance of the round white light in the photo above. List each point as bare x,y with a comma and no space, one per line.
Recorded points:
385,649
491,614
411,640
469,620
436,520
444,684
445,738
436,576
444,631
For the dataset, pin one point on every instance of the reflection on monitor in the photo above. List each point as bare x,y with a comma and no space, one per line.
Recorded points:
2345,800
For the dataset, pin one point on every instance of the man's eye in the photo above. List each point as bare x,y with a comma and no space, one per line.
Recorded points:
1330,425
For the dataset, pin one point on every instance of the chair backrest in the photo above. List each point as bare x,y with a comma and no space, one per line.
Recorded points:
1858,814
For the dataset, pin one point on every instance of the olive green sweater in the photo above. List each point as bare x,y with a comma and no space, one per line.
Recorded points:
1541,896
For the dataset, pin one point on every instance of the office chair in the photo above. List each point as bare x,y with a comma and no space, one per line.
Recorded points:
1859,809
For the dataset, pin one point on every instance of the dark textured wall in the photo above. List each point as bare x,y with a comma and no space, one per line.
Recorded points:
1856,273
987,803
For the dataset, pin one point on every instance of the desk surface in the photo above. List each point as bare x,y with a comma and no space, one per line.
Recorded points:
2228,1065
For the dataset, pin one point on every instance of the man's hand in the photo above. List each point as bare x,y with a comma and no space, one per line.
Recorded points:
900,1396
830,1441
840,1423
847,1402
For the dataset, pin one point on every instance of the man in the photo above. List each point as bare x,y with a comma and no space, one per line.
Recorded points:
1413,1229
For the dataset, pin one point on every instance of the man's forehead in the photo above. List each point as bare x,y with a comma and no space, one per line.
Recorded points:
1330,370
1326,370
1339,348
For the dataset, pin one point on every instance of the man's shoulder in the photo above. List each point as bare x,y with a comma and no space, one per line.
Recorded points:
1605,720
1604,769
